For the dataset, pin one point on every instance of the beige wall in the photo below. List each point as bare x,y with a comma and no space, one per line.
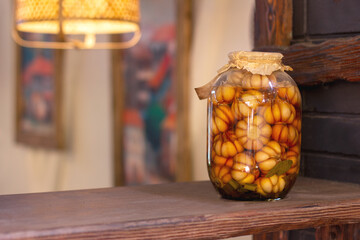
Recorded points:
221,26
87,161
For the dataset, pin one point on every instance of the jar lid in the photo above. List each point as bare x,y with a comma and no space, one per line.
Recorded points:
264,63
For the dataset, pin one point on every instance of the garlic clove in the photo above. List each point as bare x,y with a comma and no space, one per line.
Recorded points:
267,165
250,178
256,81
266,185
274,179
281,183
238,175
224,94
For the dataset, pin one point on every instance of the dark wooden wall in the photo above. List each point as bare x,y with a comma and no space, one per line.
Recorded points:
331,131
324,50
325,57
331,95
324,19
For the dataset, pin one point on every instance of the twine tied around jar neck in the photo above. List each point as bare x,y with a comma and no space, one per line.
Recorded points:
263,63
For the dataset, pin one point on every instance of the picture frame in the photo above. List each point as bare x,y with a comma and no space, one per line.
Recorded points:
38,95
126,112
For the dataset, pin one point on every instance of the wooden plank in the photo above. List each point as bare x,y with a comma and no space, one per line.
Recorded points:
338,232
325,62
335,97
173,211
332,17
330,166
273,23
331,133
318,19
299,18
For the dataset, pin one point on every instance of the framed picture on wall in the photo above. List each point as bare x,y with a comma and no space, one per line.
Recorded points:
150,97
38,95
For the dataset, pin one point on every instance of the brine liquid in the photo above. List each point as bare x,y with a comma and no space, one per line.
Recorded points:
254,138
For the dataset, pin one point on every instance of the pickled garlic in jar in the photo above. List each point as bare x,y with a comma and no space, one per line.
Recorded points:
254,127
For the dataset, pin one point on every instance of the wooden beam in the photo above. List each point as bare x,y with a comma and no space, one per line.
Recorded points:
173,211
321,63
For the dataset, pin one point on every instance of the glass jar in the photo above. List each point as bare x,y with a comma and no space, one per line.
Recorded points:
254,127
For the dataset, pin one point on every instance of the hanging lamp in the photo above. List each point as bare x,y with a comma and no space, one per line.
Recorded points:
77,23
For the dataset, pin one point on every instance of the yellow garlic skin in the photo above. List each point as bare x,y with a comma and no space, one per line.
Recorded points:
294,156
297,124
221,161
254,124
258,81
279,112
287,134
296,149
227,145
246,103
221,175
290,94
237,77
224,94
273,184
253,133
242,168
221,119
268,156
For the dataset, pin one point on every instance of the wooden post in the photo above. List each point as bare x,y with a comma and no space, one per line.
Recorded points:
184,32
118,108
273,23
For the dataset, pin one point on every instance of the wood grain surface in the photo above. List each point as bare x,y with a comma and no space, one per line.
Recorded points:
182,70
319,19
328,61
339,232
332,17
335,167
299,19
273,23
331,133
178,210
118,105
337,97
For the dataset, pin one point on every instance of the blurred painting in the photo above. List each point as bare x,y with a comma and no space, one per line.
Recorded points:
149,115
38,96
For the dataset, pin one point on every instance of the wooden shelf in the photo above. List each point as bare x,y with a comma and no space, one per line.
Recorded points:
178,210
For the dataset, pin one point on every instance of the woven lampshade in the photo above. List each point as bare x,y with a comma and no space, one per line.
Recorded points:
85,17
